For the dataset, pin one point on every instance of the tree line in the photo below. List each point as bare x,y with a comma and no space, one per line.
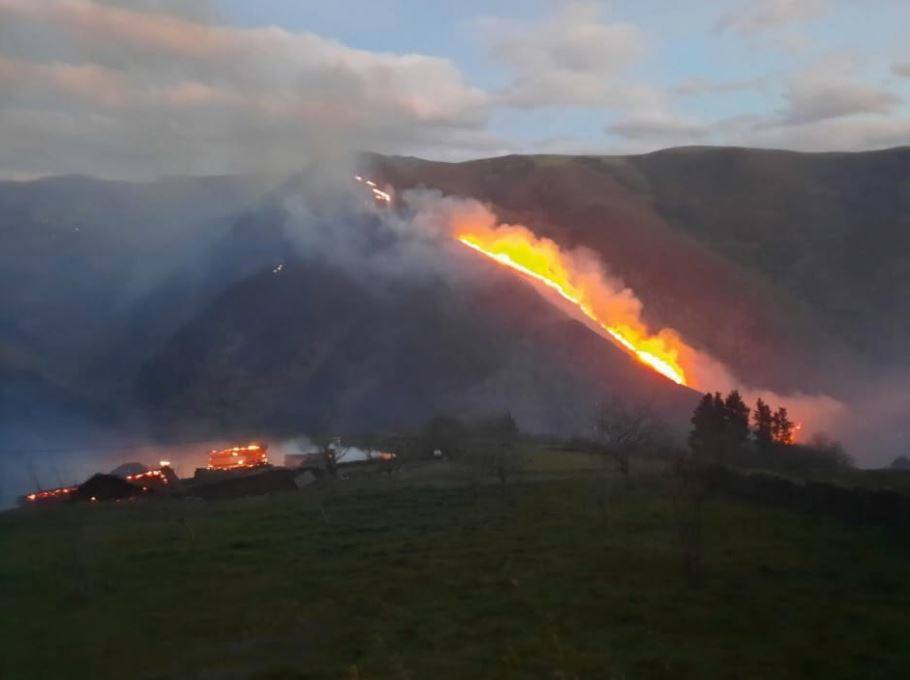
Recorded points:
723,423
727,430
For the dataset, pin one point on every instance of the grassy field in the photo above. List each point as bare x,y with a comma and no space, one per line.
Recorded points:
395,579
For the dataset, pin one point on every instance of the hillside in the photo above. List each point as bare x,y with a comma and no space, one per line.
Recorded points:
793,268
314,349
155,308
399,579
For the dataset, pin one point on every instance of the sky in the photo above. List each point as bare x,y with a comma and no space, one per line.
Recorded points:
136,89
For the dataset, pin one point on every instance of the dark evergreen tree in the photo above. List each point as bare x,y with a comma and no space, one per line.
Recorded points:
782,427
720,411
763,425
737,414
707,435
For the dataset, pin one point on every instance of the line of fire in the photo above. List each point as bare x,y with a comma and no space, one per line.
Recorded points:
240,470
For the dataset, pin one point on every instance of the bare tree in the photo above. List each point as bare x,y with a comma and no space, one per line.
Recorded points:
625,429
505,461
494,450
504,456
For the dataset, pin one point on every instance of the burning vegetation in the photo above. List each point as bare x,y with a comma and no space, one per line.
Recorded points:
63,493
106,487
238,457
232,471
543,261
577,281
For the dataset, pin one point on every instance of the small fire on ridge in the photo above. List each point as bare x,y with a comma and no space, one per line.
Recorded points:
379,195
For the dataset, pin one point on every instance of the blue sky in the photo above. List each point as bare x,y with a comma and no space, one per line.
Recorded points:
233,85
751,67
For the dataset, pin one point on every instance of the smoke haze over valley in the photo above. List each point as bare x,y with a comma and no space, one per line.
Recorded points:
192,309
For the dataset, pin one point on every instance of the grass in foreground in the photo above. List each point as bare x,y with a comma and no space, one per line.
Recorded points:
384,581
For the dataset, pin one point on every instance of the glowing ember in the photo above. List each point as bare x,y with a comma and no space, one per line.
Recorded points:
51,494
543,261
379,195
150,475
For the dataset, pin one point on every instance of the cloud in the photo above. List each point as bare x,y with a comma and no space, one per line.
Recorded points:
572,59
137,88
832,90
859,133
667,129
819,100
158,92
829,107
699,86
757,16
577,60
200,10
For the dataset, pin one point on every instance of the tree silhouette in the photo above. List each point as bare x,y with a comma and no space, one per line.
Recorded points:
782,427
624,429
764,433
708,428
737,414
500,441
720,427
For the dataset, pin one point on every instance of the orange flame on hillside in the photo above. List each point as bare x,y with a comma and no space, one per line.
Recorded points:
578,278
542,260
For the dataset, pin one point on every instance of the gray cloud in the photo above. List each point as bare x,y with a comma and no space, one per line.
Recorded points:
200,10
857,133
756,16
666,129
138,88
699,86
154,92
831,90
572,59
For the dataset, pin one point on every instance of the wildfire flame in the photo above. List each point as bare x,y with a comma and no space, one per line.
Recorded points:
542,260
578,278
